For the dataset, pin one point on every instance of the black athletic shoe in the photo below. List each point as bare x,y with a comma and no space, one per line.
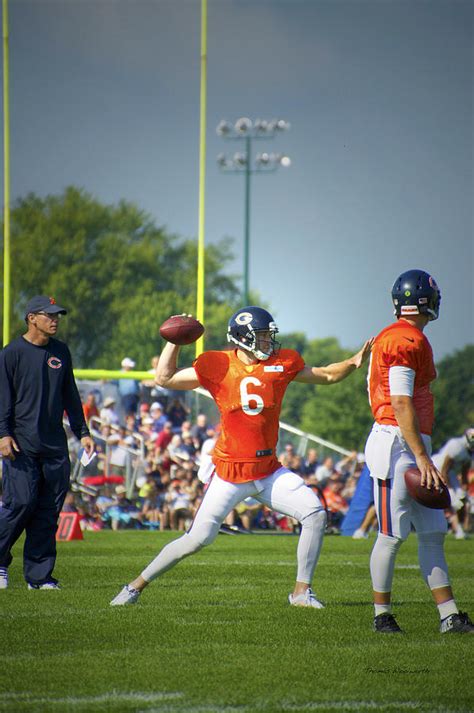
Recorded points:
457,624
386,624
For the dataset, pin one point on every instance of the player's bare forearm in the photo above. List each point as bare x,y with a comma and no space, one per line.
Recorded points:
333,373
169,376
409,426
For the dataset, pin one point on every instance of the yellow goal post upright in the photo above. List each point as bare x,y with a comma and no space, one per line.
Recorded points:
202,176
6,179
110,375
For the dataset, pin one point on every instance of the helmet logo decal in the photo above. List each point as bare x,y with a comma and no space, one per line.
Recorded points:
407,293
243,318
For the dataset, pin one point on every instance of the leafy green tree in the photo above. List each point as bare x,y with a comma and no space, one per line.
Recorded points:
121,276
454,395
118,274
339,413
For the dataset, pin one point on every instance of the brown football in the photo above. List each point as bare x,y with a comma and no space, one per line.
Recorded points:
434,499
181,329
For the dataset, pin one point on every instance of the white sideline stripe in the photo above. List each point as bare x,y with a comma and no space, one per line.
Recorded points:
407,566
112,697
253,563
363,565
142,697
362,705
201,709
358,706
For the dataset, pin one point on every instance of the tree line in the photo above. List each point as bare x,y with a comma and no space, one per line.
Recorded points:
120,276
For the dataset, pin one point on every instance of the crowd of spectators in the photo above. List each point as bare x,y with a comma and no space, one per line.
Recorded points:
149,450
148,454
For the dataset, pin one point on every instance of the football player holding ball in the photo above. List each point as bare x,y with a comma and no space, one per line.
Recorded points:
400,372
248,384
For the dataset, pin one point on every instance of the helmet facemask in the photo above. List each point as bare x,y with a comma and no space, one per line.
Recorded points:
260,342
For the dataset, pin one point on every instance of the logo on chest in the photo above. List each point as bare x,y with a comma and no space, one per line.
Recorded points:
54,363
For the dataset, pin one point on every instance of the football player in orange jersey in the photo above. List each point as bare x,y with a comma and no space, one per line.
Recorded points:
248,385
400,372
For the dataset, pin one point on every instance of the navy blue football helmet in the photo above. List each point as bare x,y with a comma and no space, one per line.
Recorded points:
416,292
243,329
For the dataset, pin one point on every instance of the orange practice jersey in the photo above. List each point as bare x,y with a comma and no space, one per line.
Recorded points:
401,344
249,401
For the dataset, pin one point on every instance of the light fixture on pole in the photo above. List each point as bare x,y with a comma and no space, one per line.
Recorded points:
243,162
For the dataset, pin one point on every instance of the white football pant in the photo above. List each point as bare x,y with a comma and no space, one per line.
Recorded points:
282,491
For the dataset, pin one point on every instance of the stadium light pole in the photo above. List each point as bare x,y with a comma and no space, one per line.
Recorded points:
243,162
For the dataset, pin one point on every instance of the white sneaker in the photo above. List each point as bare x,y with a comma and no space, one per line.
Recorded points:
460,534
3,577
46,585
360,535
307,599
128,595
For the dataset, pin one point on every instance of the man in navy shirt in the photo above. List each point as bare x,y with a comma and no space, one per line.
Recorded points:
36,387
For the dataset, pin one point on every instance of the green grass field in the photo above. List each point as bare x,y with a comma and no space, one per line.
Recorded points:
216,633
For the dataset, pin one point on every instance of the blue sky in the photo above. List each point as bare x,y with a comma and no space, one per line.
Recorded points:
105,95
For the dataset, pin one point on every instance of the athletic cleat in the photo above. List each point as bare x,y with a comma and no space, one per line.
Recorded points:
128,595
3,577
45,585
307,599
457,624
386,624
360,535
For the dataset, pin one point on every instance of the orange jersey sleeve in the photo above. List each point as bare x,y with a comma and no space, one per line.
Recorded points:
401,344
249,400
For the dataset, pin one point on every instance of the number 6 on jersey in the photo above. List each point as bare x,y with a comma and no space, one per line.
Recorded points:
246,397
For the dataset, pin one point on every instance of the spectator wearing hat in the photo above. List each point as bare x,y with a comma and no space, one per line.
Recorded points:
122,512
120,444
37,386
158,416
108,414
129,389
145,427
179,504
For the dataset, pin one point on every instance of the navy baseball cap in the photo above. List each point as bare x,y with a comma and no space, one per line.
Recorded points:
42,303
